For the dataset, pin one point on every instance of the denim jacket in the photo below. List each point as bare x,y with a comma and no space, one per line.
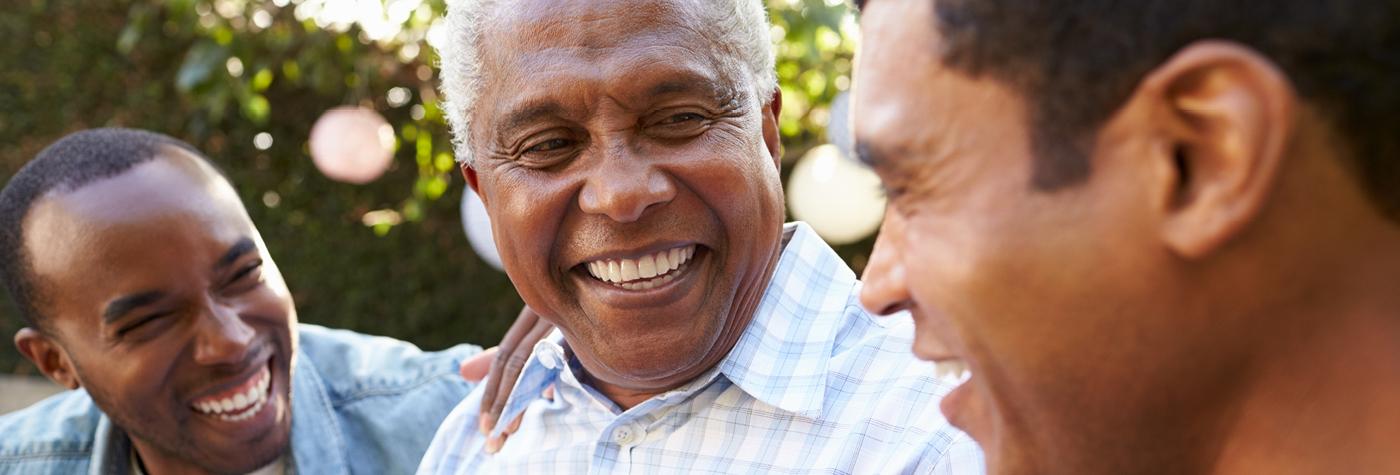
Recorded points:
360,404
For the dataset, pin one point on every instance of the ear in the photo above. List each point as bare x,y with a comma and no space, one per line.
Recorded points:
48,356
469,173
771,137
1226,115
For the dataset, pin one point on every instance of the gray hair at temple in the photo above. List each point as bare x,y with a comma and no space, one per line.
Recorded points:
741,41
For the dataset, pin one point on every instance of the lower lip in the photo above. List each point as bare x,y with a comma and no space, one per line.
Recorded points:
954,404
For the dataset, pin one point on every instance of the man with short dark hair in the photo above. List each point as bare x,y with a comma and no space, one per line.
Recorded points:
1164,235
146,287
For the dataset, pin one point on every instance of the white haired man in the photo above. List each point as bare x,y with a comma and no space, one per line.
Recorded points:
628,154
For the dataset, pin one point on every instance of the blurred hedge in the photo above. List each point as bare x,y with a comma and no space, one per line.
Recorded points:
218,72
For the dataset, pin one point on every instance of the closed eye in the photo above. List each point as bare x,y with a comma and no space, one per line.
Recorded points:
246,278
141,322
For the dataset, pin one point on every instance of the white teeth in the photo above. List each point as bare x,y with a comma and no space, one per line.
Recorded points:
255,397
623,272
952,370
629,270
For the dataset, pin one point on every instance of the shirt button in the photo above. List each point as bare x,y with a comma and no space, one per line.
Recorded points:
548,360
624,435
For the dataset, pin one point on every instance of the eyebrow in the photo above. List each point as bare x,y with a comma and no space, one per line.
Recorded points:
530,113
243,246
125,304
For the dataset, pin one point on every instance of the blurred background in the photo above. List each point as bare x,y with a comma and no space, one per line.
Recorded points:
388,254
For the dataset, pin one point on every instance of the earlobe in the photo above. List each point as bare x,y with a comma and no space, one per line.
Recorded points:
51,360
1228,116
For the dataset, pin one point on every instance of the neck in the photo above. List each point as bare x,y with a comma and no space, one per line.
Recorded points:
157,462
741,313
1329,400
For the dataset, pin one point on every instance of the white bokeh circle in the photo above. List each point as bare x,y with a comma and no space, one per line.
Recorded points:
838,197
352,144
477,224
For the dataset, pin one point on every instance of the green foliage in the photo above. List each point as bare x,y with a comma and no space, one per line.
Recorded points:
387,258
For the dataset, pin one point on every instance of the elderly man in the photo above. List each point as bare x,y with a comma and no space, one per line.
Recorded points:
145,287
1164,235
628,154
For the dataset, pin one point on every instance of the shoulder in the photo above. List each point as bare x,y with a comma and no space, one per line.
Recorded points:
51,434
355,366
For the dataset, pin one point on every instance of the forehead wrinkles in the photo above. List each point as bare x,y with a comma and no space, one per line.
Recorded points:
537,56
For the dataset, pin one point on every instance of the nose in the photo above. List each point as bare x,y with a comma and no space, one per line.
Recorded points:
623,187
884,290
223,336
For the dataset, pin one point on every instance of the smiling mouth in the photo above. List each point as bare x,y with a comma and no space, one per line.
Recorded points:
241,402
643,273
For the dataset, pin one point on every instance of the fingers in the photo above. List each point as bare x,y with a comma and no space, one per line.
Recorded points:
549,392
474,369
494,444
513,365
518,330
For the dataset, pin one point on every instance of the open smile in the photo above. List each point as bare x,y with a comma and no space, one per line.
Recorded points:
241,402
643,273
643,280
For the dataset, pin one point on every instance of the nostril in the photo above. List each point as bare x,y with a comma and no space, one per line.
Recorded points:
893,309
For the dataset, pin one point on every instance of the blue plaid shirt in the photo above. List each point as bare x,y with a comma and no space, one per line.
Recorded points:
814,385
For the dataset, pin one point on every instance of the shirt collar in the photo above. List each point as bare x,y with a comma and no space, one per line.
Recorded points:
783,356
780,359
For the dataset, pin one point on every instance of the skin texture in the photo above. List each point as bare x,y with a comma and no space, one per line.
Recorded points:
641,139
163,226
1192,307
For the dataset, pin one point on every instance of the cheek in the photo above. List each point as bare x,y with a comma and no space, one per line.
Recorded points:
527,210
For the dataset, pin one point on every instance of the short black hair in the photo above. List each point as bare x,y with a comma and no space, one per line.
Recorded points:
73,162
1077,61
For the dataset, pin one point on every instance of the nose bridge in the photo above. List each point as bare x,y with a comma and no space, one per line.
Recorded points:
624,184
223,337
884,288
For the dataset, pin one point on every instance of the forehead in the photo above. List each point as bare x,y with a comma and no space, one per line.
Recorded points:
554,47
158,206
909,103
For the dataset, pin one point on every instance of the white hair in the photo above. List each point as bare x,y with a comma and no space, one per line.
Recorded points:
740,38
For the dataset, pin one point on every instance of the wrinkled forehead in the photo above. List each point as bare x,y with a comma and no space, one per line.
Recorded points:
592,25
547,48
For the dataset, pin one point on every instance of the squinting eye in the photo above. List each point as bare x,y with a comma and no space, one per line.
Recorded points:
549,145
683,117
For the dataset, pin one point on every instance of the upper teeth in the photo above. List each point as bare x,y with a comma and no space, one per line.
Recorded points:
233,408
954,370
619,271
